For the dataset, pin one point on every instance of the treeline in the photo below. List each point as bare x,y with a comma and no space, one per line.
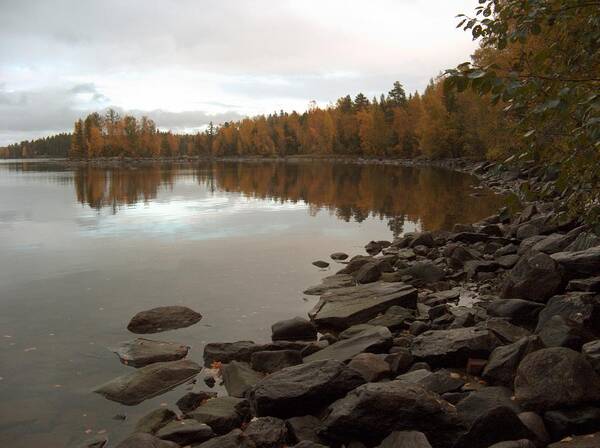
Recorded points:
53,146
434,124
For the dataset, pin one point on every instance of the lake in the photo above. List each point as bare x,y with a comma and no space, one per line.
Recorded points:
85,248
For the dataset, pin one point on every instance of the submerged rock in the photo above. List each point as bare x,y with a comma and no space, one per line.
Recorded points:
141,352
163,318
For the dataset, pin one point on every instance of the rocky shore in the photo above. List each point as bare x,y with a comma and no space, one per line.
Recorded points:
484,336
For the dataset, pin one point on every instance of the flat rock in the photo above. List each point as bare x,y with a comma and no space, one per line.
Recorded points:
149,381
185,432
405,439
222,414
320,264
373,339
302,389
329,283
143,440
140,352
345,307
584,263
295,329
239,377
536,277
163,318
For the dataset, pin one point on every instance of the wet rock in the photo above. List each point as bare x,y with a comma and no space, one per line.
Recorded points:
370,412
192,400
484,400
144,440
583,263
303,389
185,432
504,360
163,318
585,441
140,352
517,311
226,352
560,332
425,271
535,277
272,361
405,439
555,377
339,256
265,432
320,264
368,273
345,307
395,318
222,414
295,329
581,308
238,378
304,427
372,367
149,381
453,347
154,420
330,283
233,439
591,351
576,421
496,425
373,339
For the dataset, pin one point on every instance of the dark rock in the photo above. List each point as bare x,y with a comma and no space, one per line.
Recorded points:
395,318
584,241
399,361
265,432
405,439
149,381
98,441
370,412
576,421
423,239
144,440
509,249
303,389
442,381
517,311
555,377
496,425
492,230
153,421
185,432
232,439
528,243
272,361
419,366
222,414
581,308
163,318
355,264
442,297
372,367
536,277
590,284
330,283
311,444
226,352
484,400
507,261
239,377
345,307
560,332
536,425
374,339
527,230
320,264
373,247
295,329
556,242
470,237
506,332
425,271
453,347
339,256
583,263
141,352
305,427
419,327
586,441
368,273
414,376
523,443
591,351
504,360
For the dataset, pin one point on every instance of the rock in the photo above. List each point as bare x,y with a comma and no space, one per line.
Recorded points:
425,271
302,389
163,318
584,241
591,351
535,277
584,263
442,381
345,307
305,427
226,352
528,243
504,360
585,441
399,361
457,256
98,441
423,239
329,283
470,237
310,444
577,421
414,376
590,284
496,425
536,425
506,332
523,443
272,361
153,421
405,439
295,329
526,231
265,432
484,400
395,318
406,254
222,414
192,400
185,432
517,311
143,440
339,256
442,297
556,242
141,352
419,327
149,381
368,273
232,439
509,249
581,308
373,247
372,367
453,347
507,261
374,339
370,412
555,377
560,332
238,378
355,264
320,264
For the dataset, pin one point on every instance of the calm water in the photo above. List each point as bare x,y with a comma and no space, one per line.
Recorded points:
83,249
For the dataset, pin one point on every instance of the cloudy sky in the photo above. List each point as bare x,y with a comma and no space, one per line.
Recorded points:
187,62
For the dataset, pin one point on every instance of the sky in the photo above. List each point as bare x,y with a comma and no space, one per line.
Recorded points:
185,63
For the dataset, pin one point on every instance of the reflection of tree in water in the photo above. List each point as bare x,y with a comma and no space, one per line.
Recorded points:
434,198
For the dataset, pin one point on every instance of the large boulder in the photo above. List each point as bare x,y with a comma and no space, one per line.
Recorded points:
295,329
591,351
501,367
455,346
140,352
536,277
371,339
561,332
149,381
584,263
555,377
370,412
303,389
344,307
222,414
163,318
305,427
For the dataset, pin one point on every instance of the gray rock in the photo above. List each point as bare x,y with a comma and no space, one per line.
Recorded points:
425,271
239,377
484,400
140,352
523,443
575,421
581,308
185,432
536,425
501,367
295,329
339,256
302,389
154,420
374,339
560,332
507,261
583,263
368,273
320,264
517,311
304,427
590,284
149,381
555,377
399,361
405,439
556,242
163,318
395,318
222,414
345,307
225,352
535,277
310,444
423,239
372,367
272,361
355,264
527,230
584,240
506,332
330,283
144,440
442,381
98,441
265,432
192,400
414,376
233,439
591,351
